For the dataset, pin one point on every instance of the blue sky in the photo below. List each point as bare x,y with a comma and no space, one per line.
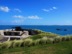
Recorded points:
35,12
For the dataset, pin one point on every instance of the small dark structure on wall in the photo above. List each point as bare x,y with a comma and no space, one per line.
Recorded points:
31,31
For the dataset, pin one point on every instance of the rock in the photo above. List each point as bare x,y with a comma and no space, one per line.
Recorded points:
58,29
65,29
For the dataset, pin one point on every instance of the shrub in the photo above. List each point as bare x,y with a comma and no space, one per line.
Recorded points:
50,40
63,38
37,42
13,43
44,40
34,37
68,38
17,43
6,44
20,43
28,42
0,45
57,39
39,31
50,35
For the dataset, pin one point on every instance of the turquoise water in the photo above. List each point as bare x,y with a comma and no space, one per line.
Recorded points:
61,30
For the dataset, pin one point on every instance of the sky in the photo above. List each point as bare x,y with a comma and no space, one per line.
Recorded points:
35,12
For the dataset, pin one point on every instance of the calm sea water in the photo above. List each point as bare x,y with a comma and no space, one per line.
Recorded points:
64,30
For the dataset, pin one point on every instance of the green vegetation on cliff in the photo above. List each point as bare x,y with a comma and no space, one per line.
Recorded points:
42,43
57,48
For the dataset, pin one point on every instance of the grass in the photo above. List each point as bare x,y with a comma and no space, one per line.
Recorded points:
28,42
16,43
42,43
58,48
44,40
43,34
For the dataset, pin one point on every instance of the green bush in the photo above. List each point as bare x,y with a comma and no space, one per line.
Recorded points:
39,31
57,39
34,37
50,40
20,43
70,37
0,45
28,42
17,43
37,42
50,35
44,40
6,44
63,38
67,38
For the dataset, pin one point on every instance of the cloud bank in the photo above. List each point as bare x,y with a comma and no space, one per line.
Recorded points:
18,10
18,16
34,17
4,8
49,9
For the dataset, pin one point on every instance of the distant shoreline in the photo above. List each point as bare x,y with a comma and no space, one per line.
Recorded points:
51,28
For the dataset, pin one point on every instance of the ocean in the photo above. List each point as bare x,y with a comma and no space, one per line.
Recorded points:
61,30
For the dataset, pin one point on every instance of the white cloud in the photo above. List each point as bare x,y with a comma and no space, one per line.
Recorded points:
18,10
18,21
46,10
54,7
5,9
34,17
50,9
18,16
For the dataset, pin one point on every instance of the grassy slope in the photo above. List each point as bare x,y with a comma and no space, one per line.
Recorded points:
58,48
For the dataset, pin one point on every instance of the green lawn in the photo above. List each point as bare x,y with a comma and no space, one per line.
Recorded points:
57,48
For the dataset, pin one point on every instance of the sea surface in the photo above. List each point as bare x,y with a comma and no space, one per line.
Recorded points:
57,29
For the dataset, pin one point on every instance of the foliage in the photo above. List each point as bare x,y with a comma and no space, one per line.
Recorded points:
6,44
39,31
57,39
34,37
37,42
41,38
28,42
17,43
51,35
64,47
44,40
